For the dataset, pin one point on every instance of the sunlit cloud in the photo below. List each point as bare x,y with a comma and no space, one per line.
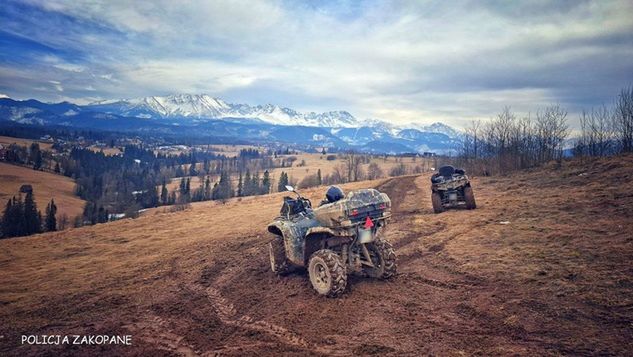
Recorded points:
399,61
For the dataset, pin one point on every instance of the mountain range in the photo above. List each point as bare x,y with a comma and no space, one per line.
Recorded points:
204,115
203,106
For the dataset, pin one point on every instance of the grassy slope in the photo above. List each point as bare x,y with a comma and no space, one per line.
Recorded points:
555,279
45,185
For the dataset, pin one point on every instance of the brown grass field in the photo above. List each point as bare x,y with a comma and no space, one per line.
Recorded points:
556,278
8,140
313,163
45,186
106,151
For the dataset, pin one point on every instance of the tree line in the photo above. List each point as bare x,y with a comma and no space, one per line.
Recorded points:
508,142
607,130
22,218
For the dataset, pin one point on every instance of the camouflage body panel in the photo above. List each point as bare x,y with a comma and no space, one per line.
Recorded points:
456,182
356,206
331,220
294,232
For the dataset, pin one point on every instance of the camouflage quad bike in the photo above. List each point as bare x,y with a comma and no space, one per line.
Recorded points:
333,240
451,188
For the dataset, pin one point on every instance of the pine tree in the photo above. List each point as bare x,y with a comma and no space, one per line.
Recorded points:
32,223
247,184
183,187
90,212
8,225
240,187
51,221
323,152
265,183
223,190
35,156
283,181
207,189
188,186
57,168
153,200
192,170
319,178
255,189
40,220
164,193
102,216
17,217
179,171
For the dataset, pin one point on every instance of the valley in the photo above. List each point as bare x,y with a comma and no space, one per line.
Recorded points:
182,117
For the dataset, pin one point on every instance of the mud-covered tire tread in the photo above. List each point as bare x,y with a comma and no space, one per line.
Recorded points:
436,199
469,197
389,258
337,269
279,264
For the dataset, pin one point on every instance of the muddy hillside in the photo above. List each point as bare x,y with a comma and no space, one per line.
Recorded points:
543,266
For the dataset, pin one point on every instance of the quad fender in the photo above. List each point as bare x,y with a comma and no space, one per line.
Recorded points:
291,241
320,231
275,229
294,236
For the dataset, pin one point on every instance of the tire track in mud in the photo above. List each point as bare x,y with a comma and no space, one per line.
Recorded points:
207,285
156,332
228,315
407,192
397,188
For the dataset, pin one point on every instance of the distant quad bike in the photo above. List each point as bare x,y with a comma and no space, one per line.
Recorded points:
341,236
451,188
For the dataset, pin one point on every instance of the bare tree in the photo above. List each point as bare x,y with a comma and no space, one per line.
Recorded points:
374,172
552,129
623,119
596,132
508,143
354,168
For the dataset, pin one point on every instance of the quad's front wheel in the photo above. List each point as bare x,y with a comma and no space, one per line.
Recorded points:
383,257
436,199
279,264
327,272
469,197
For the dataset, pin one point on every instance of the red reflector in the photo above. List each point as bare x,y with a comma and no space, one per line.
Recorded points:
368,223
354,213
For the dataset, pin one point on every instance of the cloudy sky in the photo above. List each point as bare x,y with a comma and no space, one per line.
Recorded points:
421,61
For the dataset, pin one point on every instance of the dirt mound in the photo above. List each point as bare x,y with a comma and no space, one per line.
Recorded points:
555,278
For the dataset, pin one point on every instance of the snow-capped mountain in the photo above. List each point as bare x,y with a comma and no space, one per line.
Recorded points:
181,105
203,106
436,127
205,116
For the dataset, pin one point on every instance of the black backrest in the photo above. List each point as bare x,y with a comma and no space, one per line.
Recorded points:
447,171
291,206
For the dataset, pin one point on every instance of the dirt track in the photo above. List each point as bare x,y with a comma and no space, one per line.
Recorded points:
556,279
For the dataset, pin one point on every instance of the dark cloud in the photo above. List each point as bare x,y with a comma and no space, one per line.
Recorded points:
403,61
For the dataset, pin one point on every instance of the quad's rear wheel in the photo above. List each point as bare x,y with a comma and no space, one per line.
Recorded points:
279,264
383,257
328,274
436,199
469,197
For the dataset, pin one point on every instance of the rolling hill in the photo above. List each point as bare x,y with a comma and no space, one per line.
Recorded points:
541,267
46,186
